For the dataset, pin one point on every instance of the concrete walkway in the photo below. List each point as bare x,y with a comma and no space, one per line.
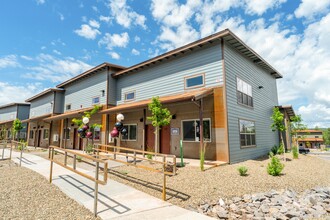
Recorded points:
115,201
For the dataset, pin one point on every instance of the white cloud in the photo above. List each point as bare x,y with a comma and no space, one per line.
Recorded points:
26,57
61,16
135,52
57,52
94,23
114,55
40,2
8,61
55,70
10,93
311,8
87,32
106,19
137,39
43,48
95,8
124,14
115,40
260,7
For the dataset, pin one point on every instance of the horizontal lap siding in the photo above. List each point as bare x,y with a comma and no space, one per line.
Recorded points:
80,93
8,113
263,99
167,77
42,105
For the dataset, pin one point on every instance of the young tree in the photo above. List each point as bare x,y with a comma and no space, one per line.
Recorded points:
326,136
295,126
159,117
278,125
17,127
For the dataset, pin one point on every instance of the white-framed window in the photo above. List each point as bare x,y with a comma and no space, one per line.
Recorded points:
129,96
195,81
247,132
68,107
131,132
96,100
191,130
244,93
46,134
97,133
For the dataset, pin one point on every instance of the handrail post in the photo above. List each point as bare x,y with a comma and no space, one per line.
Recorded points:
65,158
51,165
134,157
174,165
164,179
74,162
11,149
96,188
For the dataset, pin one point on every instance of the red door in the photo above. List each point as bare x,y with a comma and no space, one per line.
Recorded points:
165,137
150,138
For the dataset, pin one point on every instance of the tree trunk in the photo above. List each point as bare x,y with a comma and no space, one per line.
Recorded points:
156,139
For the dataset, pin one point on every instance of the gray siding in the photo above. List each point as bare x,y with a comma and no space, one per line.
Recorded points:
59,102
23,112
42,105
80,93
263,99
8,113
167,77
112,86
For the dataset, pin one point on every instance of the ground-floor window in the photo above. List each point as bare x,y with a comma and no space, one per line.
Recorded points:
97,133
131,132
31,134
46,134
191,130
247,133
66,133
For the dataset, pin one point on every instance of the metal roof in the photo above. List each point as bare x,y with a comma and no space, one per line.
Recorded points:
226,34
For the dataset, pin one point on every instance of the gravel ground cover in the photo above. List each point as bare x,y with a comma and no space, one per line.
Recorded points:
191,186
24,194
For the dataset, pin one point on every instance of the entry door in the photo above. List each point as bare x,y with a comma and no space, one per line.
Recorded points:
150,138
39,138
165,139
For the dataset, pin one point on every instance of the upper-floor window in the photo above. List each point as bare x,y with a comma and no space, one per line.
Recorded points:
129,96
68,107
244,93
191,130
247,132
131,132
96,100
194,81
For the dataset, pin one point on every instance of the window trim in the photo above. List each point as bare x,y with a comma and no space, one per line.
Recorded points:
136,135
94,97
237,91
197,119
31,132
193,76
64,133
129,100
66,107
239,133
43,134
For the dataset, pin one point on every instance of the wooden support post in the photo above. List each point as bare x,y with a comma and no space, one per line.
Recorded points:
164,179
51,165
134,157
96,191
65,158
174,165
74,161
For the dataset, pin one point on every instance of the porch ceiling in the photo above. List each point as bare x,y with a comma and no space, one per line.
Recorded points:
70,114
191,95
37,118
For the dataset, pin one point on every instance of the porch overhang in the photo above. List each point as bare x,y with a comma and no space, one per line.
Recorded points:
41,117
5,122
288,109
310,140
70,114
187,96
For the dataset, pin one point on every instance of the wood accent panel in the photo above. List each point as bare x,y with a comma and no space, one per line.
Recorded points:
104,120
219,108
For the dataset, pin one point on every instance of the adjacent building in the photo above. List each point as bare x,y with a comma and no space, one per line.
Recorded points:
10,112
310,138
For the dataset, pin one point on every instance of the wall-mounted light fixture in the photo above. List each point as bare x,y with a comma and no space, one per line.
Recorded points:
141,119
260,87
103,92
174,116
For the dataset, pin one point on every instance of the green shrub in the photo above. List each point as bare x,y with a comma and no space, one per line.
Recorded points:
295,152
89,148
273,150
79,159
275,167
149,156
242,170
281,149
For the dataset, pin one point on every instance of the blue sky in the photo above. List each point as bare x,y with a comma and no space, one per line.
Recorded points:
45,42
